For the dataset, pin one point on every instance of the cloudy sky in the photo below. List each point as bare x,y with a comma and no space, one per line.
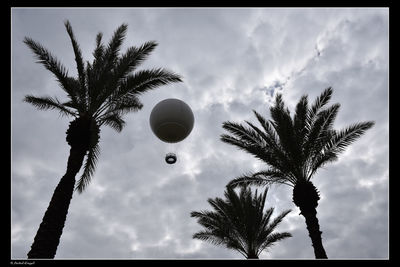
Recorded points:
232,61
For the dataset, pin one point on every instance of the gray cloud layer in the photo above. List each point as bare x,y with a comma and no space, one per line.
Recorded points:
232,61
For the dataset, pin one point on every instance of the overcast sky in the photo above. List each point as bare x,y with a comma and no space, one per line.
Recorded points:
232,61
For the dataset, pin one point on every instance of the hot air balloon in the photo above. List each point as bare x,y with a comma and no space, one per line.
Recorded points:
171,120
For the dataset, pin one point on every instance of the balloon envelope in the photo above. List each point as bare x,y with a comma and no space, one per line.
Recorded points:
171,120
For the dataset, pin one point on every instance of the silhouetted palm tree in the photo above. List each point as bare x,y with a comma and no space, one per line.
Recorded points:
295,149
240,223
103,92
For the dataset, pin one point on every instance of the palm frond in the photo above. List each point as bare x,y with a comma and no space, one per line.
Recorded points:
133,57
209,220
113,120
268,237
89,167
247,144
98,51
249,136
112,50
274,238
249,140
71,104
271,227
320,160
260,135
78,58
336,144
45,103
50,63
299,119
46,59
218,231
321,131
209,237
109,55
94,73
347,136
129,103
245,180
266,218
275,176
91,92
233,141
321,101
203,215
269,130
145,80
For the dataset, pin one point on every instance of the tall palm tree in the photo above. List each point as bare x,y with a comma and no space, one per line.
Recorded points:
103,92
240,223
295,149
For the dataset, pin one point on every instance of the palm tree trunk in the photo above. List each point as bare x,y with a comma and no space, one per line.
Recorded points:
306,196
48,236
252,256
310,214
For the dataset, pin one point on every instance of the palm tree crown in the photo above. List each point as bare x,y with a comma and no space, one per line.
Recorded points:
294,148
239,222
104,90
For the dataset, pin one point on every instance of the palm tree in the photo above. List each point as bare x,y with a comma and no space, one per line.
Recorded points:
295,149
103,92
240,223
